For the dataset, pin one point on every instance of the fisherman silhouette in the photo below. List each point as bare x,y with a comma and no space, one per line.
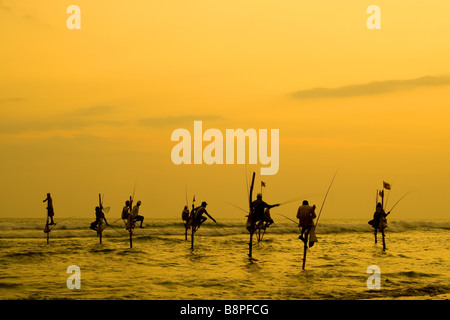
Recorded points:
135,214
50,212
198,218
126,215
126,210
259,214
186,216
99,215
306,215
379,222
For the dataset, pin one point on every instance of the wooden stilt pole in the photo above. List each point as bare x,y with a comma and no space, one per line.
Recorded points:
313,228
192,238
250,245
252,230
99,225
305,249
131,237
47,229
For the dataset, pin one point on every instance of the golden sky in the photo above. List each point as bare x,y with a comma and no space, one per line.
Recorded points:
92,110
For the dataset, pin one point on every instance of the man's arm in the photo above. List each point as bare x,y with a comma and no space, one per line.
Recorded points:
210,217
274,205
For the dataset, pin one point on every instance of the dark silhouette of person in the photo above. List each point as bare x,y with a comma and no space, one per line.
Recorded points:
258,216
306,215
135,214
50,211
379,222
99,216
198,216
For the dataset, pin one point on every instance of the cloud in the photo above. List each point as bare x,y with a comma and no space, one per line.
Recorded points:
62,122
92,111
372,88
25,13
4,7
41,125
176,121
8,100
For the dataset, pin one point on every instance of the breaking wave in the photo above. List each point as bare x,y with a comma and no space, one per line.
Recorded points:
75,227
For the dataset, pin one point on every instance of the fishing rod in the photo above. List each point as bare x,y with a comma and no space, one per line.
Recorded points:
296,199
387,198
282,203
246,181
105,209
399,201
323,203
185,193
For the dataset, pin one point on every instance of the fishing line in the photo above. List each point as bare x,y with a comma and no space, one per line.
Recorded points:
109,225
236,207
296,223
64,219
223,228
143,231
116,221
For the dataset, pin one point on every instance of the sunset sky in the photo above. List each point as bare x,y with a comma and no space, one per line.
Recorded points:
91,111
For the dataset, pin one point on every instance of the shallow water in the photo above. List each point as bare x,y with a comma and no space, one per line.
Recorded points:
161,264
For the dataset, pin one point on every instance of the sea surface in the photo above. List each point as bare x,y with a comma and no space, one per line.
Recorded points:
162,266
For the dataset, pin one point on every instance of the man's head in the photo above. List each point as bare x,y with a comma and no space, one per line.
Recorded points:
305,202
259,196
204,204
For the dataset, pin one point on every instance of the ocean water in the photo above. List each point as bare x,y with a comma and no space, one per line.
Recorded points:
162,266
